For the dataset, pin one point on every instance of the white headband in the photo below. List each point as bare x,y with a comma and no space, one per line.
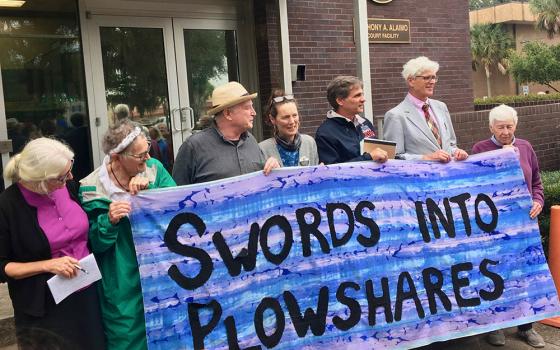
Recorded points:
126,141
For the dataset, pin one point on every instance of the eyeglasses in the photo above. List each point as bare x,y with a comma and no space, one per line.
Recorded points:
142,155
428,78
63,178
281,99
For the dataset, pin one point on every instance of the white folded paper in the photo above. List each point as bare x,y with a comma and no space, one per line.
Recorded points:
62,287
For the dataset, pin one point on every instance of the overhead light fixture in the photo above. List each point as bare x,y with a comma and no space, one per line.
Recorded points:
11,3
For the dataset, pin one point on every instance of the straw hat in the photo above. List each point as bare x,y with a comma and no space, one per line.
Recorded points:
229,95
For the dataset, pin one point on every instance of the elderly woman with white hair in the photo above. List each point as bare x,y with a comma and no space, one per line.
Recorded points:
44,232
126,169
503,123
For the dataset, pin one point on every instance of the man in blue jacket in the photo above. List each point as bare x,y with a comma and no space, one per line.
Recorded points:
339,136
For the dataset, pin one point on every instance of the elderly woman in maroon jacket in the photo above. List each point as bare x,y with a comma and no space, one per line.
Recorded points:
503,122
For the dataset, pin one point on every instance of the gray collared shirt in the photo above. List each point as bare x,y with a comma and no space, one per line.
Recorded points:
208,156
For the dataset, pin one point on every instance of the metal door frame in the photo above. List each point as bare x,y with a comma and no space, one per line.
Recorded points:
3,128
98,106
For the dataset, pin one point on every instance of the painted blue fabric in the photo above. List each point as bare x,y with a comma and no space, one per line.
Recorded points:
485,237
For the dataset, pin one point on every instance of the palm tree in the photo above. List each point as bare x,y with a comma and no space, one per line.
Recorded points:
548,15
490,46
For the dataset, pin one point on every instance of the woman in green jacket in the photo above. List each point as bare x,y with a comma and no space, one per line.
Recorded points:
126,169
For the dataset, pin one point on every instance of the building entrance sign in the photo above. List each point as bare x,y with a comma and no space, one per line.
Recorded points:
381,30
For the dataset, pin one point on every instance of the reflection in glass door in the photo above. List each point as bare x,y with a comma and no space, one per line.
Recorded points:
136,86
4,158
164,70
207,56
134,76
44,90
211,59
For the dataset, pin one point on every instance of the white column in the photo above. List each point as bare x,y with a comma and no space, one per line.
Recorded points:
362,52
285,46
3,130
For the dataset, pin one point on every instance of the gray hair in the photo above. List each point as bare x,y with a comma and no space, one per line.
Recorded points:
154,131
117,133
121,112
502,113
340,87
40,160
417,66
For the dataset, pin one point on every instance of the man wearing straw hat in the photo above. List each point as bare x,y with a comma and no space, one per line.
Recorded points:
226,148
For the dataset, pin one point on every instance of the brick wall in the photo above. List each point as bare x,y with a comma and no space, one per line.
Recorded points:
267,36
540,125
321,37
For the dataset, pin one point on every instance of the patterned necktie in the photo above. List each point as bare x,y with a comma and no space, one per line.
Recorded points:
431,122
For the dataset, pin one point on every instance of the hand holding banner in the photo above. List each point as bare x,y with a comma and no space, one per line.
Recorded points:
383,256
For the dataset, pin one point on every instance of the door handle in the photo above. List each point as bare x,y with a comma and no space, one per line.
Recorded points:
178,124
191,116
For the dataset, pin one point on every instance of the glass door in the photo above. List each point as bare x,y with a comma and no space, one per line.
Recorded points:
161,73
207,56
5,156
134,77
42,83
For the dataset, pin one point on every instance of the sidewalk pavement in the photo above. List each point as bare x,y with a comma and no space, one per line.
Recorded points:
7,329
550,334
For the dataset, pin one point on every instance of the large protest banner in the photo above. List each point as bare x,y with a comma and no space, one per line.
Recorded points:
349,256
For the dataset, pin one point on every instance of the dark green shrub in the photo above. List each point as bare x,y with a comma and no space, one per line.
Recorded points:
551,184
552,97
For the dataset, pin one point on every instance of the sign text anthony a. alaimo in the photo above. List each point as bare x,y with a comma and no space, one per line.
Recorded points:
388,30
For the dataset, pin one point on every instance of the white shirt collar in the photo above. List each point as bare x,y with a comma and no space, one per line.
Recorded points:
113,191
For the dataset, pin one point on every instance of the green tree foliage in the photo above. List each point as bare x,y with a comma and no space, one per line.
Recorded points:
478,4
41,64
548,15
208,58
537,63
490,47
551,184
134,67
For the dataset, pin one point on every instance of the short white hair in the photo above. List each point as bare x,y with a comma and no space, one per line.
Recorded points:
502,113
417,66
40,160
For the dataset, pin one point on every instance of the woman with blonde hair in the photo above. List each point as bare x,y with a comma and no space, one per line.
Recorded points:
126,169
43,232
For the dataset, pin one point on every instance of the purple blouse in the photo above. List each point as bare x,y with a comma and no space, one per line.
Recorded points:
62,220
529,164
